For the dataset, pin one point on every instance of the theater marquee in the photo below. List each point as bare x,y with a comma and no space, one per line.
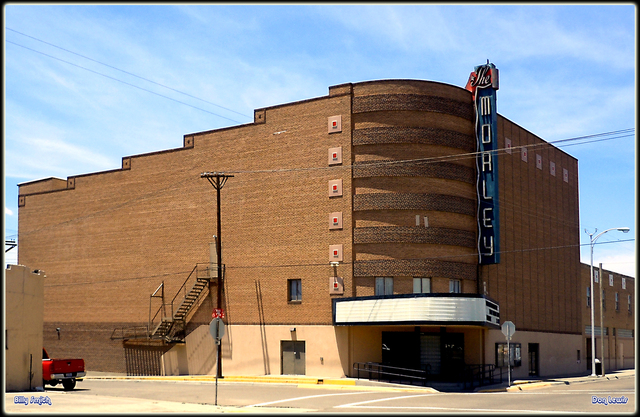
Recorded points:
483,84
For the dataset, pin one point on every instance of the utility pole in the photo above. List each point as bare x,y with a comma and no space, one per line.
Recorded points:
218,180
601,324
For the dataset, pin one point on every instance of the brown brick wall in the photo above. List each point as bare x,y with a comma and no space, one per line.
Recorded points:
537,279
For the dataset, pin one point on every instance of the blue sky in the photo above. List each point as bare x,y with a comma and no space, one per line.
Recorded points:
86,85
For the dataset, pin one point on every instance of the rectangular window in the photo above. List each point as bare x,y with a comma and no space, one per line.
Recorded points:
502,354
629,302
611,280
617,303
595,275
588,296
624,284
454,286
384,286
295,290
421,285
603,300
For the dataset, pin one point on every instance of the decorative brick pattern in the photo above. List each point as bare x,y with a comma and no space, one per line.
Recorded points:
403,234
444,170
415,268
419,135
397,201
415,102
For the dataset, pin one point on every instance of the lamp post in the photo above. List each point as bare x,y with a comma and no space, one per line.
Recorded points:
593,330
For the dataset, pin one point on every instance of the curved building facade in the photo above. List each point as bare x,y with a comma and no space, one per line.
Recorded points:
414,201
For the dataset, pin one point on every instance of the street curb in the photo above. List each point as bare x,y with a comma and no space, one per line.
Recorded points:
309,382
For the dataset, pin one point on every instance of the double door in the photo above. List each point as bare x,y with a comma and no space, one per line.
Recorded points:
292,357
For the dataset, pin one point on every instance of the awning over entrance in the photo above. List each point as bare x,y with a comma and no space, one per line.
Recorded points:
417,309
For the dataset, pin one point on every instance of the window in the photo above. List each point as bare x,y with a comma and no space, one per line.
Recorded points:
454,285
629,302
295,290
617,303
611,280
588,296
624,284
603,300
384,286
421,285
502,354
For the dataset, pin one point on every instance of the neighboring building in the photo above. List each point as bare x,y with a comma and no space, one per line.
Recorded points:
350,234
618,318
24,292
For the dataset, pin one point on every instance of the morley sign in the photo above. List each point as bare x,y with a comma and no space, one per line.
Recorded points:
483,84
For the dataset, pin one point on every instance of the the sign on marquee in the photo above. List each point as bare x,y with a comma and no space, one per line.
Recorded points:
483,84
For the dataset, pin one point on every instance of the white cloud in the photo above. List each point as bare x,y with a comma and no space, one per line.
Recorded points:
8,211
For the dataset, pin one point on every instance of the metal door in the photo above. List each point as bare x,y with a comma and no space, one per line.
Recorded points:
534,359
292,357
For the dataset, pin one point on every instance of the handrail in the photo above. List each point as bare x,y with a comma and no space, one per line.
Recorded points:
480,373
183,286
379,369
144,332
182,291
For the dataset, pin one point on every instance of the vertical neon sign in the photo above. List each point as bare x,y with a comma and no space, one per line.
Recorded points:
483,84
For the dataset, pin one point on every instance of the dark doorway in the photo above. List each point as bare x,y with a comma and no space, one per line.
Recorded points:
293,357
452,355
534,359
401,349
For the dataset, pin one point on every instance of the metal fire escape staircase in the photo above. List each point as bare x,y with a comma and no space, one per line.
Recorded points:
169,321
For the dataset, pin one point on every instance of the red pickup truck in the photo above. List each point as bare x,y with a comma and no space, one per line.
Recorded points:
65,371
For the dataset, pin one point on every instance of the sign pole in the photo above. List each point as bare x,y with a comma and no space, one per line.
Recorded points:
509,359
217,350
508,329
216,330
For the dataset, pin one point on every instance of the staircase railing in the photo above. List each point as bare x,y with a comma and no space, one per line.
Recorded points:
162,324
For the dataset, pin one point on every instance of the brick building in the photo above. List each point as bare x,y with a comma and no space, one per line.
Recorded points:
615,293
351,233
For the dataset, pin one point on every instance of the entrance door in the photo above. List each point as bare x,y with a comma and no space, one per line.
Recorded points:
534,359
292,357
452,366
430,353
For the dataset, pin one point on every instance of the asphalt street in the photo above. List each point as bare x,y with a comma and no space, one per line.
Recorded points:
614,393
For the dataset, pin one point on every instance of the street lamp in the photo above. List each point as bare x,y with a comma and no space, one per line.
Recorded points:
593,329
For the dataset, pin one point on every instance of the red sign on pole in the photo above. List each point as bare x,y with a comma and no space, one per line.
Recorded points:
217,313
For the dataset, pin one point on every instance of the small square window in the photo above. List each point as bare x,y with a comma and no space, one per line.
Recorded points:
295,290
454,286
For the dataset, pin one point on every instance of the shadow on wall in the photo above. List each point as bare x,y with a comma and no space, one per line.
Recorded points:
263,331
201,351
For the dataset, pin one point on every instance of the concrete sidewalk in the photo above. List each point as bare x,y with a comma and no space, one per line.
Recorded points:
521,385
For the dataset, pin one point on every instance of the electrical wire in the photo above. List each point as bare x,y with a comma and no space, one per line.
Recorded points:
124,82
128,73
324,264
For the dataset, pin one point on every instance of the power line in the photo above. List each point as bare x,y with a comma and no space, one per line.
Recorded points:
128,73
427,160
324,264
123,82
